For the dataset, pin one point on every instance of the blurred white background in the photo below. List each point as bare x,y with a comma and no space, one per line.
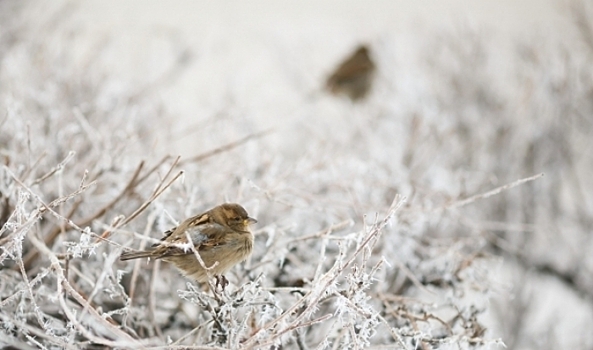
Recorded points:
469,95
268,59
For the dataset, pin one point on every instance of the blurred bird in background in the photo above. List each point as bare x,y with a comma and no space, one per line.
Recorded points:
354,76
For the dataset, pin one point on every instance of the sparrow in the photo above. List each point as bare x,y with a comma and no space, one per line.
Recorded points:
354,76
220,236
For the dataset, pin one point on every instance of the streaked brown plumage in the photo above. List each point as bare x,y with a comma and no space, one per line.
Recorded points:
220,235
354,76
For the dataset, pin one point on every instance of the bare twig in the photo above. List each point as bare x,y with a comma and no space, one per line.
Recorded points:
49,238
136,268
312,298
134,181
63,285
464,202
55,169
26,328
150,200
225,148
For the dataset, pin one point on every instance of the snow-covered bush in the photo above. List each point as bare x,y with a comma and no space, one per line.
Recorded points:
417,219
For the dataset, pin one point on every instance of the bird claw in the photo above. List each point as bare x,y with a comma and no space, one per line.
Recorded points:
221,281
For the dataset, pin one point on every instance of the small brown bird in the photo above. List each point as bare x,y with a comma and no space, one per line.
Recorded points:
221,236
354,76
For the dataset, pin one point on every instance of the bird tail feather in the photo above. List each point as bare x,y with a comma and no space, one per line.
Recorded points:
135,255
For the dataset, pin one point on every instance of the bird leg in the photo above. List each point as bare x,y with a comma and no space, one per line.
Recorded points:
221,281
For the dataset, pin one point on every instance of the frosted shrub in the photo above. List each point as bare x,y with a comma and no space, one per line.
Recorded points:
385,230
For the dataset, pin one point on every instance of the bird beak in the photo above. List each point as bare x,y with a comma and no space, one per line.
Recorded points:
250,221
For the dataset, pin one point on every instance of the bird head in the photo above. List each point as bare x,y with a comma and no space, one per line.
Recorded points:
233,215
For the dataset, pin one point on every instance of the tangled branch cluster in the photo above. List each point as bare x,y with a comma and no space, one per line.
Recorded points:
341,259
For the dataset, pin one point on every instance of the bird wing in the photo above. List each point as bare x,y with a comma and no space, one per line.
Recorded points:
203,233
193,221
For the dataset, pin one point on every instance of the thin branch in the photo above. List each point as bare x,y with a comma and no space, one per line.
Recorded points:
150,200
136,268
322,283
225,148
63,284
26,328
55,169
134,181
30,169
464,202
49,238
